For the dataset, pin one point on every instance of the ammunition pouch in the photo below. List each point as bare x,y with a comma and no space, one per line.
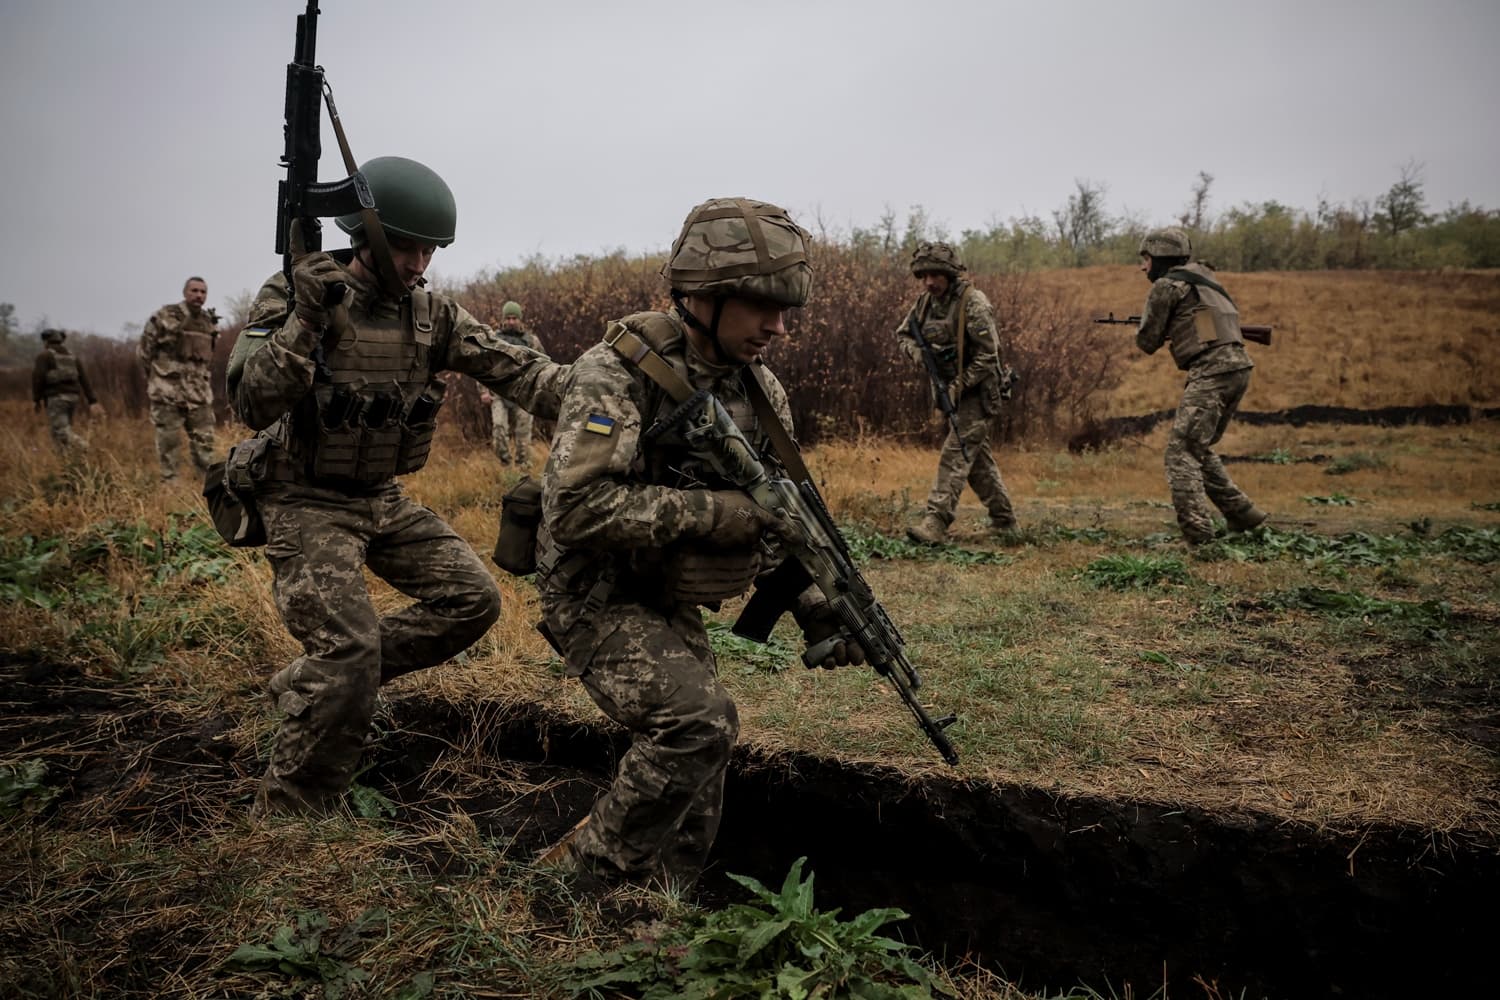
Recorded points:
365,439
229,490
520,517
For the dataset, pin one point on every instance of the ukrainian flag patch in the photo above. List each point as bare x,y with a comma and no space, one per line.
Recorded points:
600,424
258,331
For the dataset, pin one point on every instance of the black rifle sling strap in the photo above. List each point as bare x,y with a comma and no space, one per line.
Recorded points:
963,330
635,350
374,232
1194,278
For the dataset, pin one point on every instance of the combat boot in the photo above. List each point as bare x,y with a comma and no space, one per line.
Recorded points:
929,531
1002,525
1246,520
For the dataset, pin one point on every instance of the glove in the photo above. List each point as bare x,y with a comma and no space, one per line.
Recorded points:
844,652
312,279
955,389
737,521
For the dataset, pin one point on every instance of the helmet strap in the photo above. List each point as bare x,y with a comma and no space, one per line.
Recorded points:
711,331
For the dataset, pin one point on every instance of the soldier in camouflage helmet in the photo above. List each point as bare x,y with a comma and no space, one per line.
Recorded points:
344,379
506,418
57,382
177,350
637,535
959,325
1189,309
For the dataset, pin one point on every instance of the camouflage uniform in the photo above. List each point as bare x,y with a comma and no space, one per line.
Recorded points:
176,350
331,507
627,550
506,418
978,401
1217,377
57,381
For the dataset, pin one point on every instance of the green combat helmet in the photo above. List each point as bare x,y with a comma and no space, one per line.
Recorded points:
1169,242
511,309
411,199
53,336
936,257
737,246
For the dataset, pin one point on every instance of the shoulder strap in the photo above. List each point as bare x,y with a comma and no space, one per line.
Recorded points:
963,325
1194,278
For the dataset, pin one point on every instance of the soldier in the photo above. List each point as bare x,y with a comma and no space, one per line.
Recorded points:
57,380
959,325
177,349
346,395
505,416
636,535
1189,309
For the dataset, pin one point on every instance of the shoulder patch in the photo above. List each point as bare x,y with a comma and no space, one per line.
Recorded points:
600,424
257,331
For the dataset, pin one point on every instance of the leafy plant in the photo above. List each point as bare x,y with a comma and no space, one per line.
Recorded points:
1475,545
866,544
1355,461
783,949
300,950
772,656
1333,500
1492,505
23,786
370,803
1126,572
1430,618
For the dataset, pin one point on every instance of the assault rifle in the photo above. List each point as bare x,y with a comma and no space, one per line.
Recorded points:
939,385
1259,334
819,555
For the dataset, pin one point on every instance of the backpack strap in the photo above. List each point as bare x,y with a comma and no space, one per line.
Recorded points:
1194,278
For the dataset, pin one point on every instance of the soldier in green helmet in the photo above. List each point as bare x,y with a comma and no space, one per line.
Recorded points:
343,381
637,535
959,325
57,382
177,350
1189,310
507,420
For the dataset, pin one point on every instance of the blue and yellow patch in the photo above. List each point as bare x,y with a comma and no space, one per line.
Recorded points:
257,331
599,424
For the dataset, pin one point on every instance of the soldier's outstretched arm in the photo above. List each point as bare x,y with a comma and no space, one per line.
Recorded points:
525,377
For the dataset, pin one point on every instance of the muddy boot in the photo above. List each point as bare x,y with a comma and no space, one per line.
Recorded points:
1002,526
929,531
1245,520
561,855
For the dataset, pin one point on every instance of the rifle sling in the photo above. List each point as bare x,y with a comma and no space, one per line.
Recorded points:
380,249
1194,278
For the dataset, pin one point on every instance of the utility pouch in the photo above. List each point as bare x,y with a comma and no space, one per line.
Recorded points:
520,516
229,490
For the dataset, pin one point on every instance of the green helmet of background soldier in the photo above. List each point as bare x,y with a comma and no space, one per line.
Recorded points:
510,309
53,336
411,199
936,257
1169,242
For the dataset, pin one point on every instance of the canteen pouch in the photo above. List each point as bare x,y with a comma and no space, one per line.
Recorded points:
520,516
229,489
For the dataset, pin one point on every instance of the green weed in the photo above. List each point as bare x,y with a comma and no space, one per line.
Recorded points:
1355,461
24,787
773,656
866,544
1429,618
1125,572
301,951
1333,500
1356,548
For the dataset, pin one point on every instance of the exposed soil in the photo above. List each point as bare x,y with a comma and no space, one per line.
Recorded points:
1052,890
1104,432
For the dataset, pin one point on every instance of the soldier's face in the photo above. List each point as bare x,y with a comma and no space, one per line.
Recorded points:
410,257
1146,264
511,322
195,294
747,327
935,282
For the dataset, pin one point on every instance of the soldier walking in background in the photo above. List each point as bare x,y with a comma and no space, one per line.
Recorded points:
958,324
345,395
177,351
637,533
1188,309
506,418
57,381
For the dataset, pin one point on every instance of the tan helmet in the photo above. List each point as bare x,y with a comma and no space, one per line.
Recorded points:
936,256
1169,242
51,336
738,246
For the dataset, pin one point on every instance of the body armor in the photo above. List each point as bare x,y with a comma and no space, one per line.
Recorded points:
1212,321
194,343
943,324
62,377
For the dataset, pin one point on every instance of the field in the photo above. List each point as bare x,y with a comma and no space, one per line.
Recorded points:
1241,770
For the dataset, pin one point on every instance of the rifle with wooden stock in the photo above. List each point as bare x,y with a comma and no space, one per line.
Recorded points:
1259,334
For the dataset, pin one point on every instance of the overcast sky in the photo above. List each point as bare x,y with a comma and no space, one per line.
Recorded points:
139,139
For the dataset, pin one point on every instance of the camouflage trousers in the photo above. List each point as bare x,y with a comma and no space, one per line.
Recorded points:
979,471
171,419
60,409
318,543
507,418
653,672
1194,473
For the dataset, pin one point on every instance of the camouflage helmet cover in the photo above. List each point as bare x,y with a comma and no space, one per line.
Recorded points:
511,308
938,257
411,200
52,336
1169,242
738,246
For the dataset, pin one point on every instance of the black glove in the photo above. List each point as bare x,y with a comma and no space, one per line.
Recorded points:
318,283
843,652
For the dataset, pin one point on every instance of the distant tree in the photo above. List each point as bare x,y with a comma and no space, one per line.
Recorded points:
1196,213
7,321
1404,207
1082,225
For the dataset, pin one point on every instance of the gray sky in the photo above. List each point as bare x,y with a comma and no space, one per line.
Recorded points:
139,139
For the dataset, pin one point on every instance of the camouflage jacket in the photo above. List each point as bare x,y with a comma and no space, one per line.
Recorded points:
1168,314
939,320
176,350
58,372
279,372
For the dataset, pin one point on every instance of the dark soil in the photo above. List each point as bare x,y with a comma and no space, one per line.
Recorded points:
1050,890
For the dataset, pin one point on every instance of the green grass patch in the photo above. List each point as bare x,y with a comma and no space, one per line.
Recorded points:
1127,572
1355,548
1332,500
866,544
1429,618
1355,461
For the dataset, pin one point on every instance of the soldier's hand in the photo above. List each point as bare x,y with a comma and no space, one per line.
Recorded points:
318,283
841,652
737,521
955,388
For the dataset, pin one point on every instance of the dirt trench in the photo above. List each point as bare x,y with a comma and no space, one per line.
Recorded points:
1050,890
